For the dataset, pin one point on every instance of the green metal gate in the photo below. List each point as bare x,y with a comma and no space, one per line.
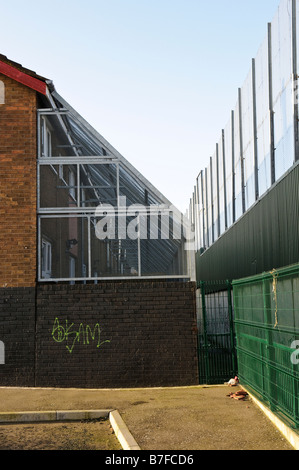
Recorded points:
216,338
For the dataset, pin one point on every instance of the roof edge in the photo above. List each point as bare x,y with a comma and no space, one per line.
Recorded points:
20,76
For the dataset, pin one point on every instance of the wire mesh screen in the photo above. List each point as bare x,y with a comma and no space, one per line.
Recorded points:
266,309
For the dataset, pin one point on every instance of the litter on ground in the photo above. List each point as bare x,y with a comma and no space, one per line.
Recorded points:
239,395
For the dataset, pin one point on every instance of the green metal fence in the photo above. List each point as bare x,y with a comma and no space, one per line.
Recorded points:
216,342
266,317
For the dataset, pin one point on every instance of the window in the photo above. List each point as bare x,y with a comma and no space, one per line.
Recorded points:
46,139
72,268
72,184
2,353
83,198
46,259
2,93
61,172
48,144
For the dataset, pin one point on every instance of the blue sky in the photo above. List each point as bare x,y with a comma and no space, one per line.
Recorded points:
157,78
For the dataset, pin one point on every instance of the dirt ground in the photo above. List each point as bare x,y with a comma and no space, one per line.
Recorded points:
192,418
91,435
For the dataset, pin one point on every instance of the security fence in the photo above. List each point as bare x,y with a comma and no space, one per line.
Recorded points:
98,217
216,342
259,143
266,319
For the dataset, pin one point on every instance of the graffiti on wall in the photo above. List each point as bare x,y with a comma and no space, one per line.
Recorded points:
67,333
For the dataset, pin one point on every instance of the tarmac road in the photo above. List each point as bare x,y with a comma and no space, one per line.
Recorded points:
188,418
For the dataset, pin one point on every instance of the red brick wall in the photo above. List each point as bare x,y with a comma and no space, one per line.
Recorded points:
18,185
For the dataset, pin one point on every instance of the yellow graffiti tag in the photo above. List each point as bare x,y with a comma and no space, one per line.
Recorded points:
72,336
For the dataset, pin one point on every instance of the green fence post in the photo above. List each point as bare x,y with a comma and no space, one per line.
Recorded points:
205,333
268,392
231,321
295,398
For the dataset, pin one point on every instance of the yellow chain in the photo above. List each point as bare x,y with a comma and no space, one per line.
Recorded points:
274,274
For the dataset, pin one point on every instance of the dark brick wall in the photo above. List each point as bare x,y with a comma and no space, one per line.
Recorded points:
151,329
106,335
17,332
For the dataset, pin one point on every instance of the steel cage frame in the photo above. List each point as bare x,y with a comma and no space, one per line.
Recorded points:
87,212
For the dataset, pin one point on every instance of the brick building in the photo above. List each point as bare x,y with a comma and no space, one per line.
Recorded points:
95,280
